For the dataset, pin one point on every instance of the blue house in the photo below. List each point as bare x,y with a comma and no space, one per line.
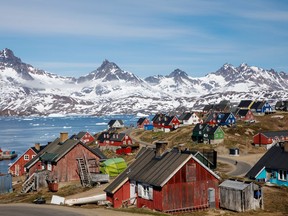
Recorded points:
261,107
148,127
226,119
272,166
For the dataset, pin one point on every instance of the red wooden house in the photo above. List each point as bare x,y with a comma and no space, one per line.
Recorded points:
142,121
268,139
168,181
165,122
17,168
60,158
84,137
245,115
113,141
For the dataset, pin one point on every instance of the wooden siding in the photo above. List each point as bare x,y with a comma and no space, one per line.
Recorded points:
179,194
87,138
260,139
67,167
238,200
122,194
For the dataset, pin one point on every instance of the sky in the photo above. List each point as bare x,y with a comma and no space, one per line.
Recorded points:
73,37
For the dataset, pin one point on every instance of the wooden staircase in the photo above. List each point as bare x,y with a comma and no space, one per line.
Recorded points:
30,184
84,173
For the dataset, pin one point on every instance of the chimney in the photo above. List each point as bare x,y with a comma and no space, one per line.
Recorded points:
63,137
37,146
161,146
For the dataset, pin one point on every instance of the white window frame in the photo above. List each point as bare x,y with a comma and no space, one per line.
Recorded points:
282,175
49,166
145,191
26,157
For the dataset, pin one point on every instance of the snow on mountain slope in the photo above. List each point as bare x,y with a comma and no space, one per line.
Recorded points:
26,90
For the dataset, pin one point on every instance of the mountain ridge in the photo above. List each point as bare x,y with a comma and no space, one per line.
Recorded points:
26,90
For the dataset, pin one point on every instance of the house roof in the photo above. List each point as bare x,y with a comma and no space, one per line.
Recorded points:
274,158
55,150
237,185
242,112
112,122
185,116
141,120
245,103
272,134
225,116
79,136
154,171
103,136
163,119
117,137
199,127
258,105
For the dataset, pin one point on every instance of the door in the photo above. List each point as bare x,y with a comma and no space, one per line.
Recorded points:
17,169
133,193
211,197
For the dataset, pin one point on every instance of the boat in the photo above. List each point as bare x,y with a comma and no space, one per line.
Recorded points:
7,155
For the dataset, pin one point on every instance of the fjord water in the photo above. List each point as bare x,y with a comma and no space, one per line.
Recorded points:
20,133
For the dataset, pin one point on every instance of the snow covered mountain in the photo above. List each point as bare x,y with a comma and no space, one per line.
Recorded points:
26,90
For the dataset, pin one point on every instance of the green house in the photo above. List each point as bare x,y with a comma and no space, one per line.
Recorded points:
204,133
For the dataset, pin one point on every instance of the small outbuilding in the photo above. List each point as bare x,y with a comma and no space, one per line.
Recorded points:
234,151
5,183
240,196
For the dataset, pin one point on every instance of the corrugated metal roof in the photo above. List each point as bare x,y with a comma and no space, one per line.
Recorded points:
234,185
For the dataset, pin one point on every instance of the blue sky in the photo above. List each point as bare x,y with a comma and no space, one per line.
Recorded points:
73,37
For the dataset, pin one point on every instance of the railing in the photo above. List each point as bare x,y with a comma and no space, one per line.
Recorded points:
30,183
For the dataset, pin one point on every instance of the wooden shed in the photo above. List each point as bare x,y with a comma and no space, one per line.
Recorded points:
240,196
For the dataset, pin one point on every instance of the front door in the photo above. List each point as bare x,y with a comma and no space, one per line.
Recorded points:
211,197
133,193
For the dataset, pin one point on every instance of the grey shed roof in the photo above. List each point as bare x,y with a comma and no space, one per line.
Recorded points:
237,185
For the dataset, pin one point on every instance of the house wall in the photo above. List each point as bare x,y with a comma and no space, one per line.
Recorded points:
122,194
35,167
20,162
260,139
262,175
87,138
179,194
66,168
145,122
237,200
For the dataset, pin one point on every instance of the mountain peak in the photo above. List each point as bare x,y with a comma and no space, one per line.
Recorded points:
178,73
7,56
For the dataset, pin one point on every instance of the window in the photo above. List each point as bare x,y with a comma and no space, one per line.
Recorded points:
145,191
282,175
33,156
26,157
49,166
191,172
